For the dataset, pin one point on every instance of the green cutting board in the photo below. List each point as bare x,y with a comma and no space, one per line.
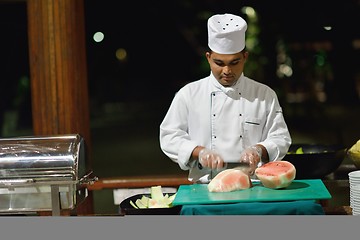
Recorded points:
309,189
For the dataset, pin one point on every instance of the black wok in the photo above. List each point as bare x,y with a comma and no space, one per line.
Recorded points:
316,161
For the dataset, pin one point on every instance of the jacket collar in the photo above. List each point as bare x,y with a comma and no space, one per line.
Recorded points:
233,91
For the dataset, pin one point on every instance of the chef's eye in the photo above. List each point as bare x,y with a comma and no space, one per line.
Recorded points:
219,63
235,62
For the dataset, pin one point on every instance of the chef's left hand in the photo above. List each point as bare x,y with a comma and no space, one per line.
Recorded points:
251,156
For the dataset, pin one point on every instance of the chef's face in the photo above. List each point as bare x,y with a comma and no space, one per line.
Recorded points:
227,68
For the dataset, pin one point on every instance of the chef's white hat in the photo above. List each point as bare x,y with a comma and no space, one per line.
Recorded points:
226,33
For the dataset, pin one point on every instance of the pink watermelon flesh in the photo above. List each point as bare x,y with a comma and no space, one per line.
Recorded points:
276,174
229,180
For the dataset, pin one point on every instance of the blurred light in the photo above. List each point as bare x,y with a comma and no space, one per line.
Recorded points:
121,54
321,96
251,43
284,70
327,28
252,40
249,11
98,37
356,43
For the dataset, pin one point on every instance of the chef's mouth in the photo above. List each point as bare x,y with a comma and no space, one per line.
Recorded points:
227,78
228,81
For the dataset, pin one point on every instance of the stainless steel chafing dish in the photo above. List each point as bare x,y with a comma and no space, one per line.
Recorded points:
45,173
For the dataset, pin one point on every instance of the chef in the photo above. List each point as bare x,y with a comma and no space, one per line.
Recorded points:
226,119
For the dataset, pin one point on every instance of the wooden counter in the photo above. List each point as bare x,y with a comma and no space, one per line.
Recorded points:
338,210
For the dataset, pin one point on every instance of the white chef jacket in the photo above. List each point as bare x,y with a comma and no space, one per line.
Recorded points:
224,119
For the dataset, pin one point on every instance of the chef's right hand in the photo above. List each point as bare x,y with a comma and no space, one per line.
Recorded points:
210,159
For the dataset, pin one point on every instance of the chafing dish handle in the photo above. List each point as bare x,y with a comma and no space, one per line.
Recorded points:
14,182
87,179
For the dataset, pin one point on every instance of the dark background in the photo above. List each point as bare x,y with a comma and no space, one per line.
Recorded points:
165,42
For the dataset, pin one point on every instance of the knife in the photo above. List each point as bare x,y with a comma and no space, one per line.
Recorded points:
231,165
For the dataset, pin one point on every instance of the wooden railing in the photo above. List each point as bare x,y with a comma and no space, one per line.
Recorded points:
139,182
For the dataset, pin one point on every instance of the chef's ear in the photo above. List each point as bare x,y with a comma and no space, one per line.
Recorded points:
246,54
208,54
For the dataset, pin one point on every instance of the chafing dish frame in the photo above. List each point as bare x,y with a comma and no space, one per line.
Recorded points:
29,189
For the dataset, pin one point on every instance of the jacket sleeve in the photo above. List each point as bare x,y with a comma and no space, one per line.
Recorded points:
174,138
277,139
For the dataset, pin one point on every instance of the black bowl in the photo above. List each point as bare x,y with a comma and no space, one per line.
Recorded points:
317,161
127,209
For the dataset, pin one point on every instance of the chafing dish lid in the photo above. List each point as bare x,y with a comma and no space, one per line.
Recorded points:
45,157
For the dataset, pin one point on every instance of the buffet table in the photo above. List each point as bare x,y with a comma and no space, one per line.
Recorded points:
337,205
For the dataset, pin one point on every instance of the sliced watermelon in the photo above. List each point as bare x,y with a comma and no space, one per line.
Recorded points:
276,174
229,180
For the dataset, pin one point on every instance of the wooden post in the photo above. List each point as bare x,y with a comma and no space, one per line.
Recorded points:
58,72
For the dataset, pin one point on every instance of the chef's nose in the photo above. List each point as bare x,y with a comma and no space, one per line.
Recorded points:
227,70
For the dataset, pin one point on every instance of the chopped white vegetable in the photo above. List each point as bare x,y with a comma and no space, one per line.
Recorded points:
157,199
133,204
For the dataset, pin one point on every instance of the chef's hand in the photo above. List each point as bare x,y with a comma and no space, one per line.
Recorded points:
210,159
251,156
